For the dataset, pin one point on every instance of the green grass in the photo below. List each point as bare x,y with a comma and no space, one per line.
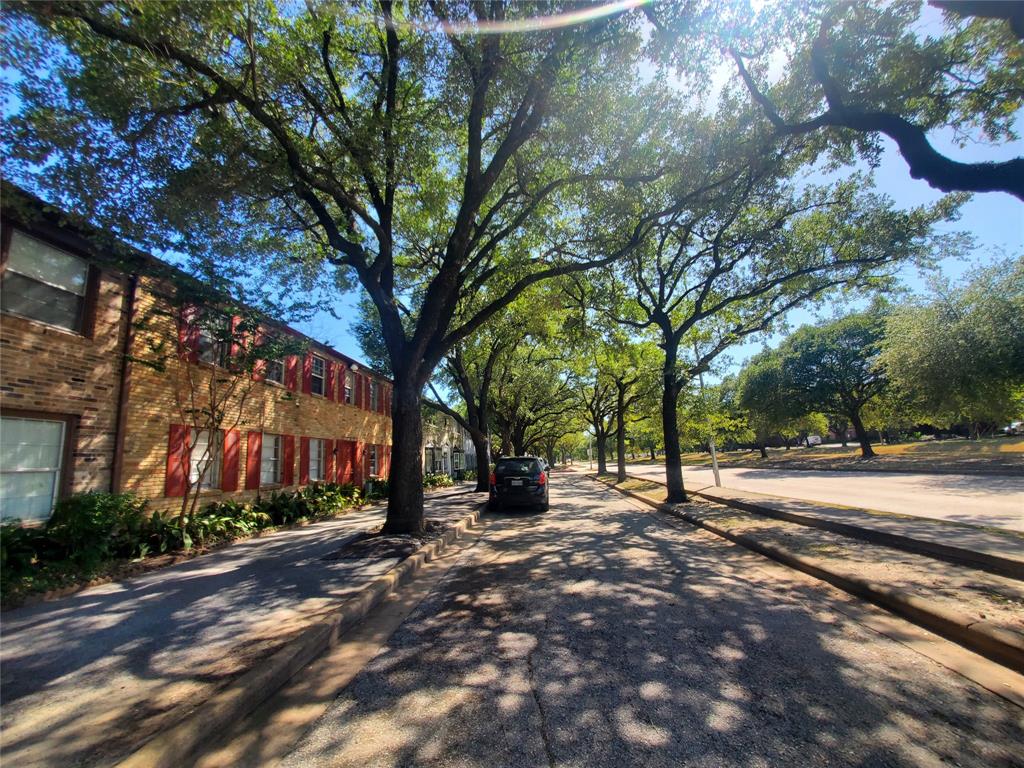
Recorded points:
998,448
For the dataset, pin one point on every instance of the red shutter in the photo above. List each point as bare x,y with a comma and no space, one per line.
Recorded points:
259,367
380,397
329,461
188,334
176,483
253,454
236,337
387,461
347,466
357,462
291,372
329,383
288,474
307,374
303,461
229,472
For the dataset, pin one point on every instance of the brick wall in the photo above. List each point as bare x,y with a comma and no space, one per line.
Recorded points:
47,370
159,398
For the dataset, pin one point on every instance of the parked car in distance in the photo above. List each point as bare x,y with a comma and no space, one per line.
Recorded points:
1014,428
520,481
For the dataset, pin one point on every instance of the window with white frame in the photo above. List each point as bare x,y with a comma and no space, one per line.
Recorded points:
318,378
43,283
350,385
316,460
270,460
372,459
275,371
31,451
374,395
212,345
205,459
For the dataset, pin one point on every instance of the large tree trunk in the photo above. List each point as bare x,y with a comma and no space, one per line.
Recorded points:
764,450
602,453
670,428
620,436
862,435
483,463
405,489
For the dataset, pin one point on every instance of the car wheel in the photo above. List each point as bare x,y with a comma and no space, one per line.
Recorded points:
493,505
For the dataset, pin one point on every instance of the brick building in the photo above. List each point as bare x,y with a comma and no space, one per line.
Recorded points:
85,403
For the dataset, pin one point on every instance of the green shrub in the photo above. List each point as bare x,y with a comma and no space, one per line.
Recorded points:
380,488
21,548
92,527
469,474
437,480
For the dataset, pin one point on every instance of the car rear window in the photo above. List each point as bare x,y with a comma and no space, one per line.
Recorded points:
516,467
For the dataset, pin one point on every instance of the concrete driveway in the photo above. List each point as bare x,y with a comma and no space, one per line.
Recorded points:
600,634
992,500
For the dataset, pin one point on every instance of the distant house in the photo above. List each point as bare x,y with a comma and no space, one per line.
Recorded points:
81,411
447,446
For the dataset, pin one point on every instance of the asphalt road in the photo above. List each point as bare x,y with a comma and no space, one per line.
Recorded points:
992,500
603,634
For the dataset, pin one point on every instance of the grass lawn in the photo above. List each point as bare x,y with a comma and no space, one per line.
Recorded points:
995,451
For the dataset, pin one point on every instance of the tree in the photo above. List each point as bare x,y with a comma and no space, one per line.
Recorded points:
421,164
958,355
834,368
728,266
861,71
763,394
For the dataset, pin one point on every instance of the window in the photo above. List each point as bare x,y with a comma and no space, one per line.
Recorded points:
434,460
316,460
212,346
319,366
270,460
44,283
30,466
457,459
275,371
372,458
205,459
350,385
374,395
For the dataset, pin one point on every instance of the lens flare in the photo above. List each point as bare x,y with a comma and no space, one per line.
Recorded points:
532,24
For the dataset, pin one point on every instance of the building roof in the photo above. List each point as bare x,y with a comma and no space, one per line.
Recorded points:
33,213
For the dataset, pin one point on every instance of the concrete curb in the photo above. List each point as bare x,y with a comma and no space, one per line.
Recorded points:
999,645
1002,566
179,744
997,471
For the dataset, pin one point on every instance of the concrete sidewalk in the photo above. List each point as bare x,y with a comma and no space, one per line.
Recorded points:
89,678
993,550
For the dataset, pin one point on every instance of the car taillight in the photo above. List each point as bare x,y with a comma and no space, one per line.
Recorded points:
543,478
494,479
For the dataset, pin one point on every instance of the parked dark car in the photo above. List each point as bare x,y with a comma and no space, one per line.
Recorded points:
520,481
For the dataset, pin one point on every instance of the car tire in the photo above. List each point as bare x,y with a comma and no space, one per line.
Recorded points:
493,505
545,506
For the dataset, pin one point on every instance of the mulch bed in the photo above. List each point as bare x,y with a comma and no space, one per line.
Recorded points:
374,545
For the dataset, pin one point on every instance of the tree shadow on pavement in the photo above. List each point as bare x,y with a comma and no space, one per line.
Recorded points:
89,677
599,635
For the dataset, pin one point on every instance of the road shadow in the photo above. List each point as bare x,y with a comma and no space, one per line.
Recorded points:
600,636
